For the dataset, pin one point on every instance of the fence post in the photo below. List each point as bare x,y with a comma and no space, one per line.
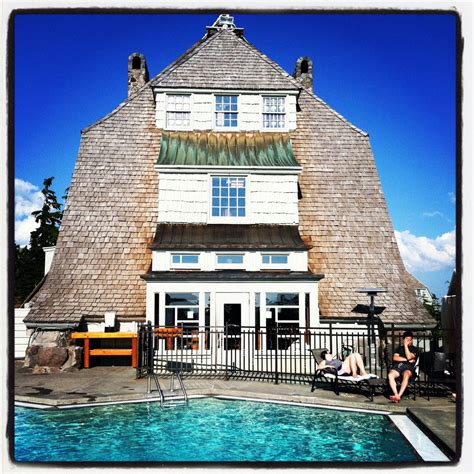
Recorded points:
149,346
139,351
330,338
276,355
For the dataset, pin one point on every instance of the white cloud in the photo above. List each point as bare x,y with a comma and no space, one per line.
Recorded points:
433,214
452,198
423,254
28,198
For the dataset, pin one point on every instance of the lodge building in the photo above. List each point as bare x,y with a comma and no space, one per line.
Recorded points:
223,191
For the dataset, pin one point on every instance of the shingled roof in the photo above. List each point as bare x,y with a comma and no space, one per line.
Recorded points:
225,61
109,221
112,211
343,212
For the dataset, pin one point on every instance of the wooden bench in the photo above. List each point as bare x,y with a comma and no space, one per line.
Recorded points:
88,352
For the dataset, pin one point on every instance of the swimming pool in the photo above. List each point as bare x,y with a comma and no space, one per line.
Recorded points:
207,430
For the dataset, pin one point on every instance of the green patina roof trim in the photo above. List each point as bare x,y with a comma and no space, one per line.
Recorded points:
226,149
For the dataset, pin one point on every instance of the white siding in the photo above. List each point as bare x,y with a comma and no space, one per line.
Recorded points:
274,199
297,261
21,333
185,198
160,110
48,258
250,112
202,111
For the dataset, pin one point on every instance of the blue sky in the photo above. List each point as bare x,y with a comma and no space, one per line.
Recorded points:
390,75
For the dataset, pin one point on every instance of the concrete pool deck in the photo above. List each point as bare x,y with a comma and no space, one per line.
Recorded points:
117,384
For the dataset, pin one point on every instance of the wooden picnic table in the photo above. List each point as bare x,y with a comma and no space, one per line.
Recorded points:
88,352
168,334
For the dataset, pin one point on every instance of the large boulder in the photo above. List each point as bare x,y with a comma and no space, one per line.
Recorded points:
51,351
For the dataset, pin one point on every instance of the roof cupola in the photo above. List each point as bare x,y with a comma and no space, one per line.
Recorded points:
304,72
137,72
224,22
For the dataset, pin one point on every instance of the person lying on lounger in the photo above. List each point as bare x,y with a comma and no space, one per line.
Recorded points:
352,364
403,364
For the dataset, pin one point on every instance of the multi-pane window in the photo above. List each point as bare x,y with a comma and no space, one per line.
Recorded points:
226,110
283,326
274,259
182,311
178,111
228,196
273,112
230,259
184,260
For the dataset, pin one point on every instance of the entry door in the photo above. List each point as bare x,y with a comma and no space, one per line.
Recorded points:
232,313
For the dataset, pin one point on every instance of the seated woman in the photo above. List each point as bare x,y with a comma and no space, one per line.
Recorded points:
352,364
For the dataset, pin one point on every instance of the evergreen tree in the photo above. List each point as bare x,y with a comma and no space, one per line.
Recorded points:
48,218
30,260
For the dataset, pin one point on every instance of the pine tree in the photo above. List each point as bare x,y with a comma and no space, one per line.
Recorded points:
30,260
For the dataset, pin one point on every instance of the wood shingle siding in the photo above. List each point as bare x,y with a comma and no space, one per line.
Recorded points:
111,217
343,212
109,221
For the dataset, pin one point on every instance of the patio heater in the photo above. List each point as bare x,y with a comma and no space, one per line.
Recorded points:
371,293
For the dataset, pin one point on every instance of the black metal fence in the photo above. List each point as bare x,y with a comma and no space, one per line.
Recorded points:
277,354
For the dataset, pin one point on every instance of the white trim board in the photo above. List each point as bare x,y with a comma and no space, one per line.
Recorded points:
426,449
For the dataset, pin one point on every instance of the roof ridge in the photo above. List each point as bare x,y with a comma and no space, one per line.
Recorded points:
116,109
188,54
185,56
291,79
270,61
337,114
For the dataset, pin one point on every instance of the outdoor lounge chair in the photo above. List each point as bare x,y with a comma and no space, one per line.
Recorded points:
414,381
440,380
329,374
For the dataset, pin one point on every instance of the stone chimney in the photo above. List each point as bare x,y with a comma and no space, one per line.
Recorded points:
304,72
137,72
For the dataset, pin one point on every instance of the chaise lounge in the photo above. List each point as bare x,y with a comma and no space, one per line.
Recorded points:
329,374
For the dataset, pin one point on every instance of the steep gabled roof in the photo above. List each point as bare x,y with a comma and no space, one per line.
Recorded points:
225,61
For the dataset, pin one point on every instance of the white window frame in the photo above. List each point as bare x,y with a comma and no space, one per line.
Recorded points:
274,265
168,109
230,219
185,265
229,265
263,113
215,111
277,308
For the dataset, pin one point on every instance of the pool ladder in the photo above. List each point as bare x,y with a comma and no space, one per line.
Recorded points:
168,400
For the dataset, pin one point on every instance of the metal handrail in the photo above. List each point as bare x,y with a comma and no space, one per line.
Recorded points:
158,387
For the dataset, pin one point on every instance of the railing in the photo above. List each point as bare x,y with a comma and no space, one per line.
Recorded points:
277,354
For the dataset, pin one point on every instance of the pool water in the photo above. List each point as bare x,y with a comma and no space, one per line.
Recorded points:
207,430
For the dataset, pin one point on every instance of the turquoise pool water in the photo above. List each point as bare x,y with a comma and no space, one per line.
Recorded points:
206,430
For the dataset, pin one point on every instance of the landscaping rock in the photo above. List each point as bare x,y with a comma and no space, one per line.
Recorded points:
74,359
45,356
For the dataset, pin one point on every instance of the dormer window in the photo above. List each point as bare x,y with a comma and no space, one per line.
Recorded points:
226,111
273,112
178,111
228,196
